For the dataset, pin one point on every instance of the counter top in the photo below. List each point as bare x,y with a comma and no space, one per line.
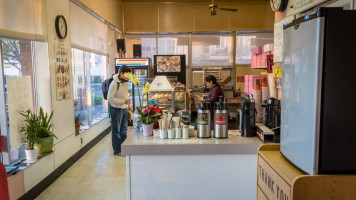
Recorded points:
137,144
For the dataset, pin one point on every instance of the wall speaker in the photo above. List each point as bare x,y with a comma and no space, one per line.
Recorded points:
137,51
120,45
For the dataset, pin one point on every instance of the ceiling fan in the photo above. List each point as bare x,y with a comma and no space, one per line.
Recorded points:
213,7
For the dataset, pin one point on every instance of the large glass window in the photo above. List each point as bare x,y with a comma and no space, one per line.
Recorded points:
97,72
173,45
147,42
246,41
25,77
212,50
89,71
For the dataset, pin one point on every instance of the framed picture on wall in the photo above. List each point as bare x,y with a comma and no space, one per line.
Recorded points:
171,66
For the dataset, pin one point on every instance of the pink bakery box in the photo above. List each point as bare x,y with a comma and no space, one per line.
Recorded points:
254,60
257,50
250,81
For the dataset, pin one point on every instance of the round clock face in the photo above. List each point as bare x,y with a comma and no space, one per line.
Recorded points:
61,27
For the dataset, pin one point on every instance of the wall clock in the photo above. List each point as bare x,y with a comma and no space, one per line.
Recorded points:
61,26
278,5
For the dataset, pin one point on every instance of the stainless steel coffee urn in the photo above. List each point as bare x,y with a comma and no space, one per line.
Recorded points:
203,122
221,119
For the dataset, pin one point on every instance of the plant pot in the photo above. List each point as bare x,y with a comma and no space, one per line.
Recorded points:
44,145
31,155
77,128
147,129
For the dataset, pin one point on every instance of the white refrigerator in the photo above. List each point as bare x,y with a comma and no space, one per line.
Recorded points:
318,106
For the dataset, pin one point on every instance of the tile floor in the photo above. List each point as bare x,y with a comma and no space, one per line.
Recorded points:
97,175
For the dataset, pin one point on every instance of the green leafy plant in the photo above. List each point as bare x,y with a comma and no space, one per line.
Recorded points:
37,126
146,118
77,119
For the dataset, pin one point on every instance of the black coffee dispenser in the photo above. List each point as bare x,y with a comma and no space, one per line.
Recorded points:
273,117
247,117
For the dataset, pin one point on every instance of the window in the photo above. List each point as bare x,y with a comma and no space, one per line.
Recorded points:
20,59
89,71
246,41
173,45
148,45
212,50
97,72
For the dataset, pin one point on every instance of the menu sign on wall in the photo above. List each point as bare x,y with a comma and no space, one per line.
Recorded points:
62,72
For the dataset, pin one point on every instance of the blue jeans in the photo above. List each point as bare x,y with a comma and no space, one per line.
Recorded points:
119,121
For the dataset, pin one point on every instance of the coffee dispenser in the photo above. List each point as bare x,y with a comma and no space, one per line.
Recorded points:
221,119
204,120
248,114
273,117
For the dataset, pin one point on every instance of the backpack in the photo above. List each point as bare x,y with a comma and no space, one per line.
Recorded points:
105,87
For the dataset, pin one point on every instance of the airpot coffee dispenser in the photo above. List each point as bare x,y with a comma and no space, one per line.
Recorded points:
204,130
221,119
248,111
273,117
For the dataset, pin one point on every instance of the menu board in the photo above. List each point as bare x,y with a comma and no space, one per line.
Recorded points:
62,72
278,38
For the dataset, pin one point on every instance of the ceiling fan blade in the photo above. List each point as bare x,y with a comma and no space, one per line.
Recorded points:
201,10
229,9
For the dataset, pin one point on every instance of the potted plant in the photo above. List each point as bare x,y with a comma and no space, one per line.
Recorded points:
78,123
38,131
30,132
149,117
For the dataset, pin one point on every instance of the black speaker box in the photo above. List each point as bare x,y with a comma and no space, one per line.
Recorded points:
120,45
137,51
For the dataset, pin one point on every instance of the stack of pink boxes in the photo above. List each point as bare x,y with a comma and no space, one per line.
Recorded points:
250,80
259,56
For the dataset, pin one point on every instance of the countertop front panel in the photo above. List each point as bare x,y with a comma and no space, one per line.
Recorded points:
137,144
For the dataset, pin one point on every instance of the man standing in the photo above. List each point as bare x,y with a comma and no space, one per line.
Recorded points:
118,97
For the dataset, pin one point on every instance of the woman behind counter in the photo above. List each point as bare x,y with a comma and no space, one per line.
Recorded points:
213,95
215,90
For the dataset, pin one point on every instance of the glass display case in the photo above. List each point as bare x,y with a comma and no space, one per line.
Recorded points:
164,99
180,100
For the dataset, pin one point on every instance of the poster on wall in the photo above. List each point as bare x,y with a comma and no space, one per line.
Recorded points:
168,64
62,72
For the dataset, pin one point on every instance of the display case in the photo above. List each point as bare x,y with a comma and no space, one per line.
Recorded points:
164,99
172,101
180,100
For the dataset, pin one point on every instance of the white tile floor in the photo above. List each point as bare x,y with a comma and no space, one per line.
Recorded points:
97,175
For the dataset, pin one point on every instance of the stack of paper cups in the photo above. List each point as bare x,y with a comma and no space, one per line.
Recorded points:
272,86
264,89
257,95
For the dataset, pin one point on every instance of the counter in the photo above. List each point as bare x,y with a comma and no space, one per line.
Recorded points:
191,168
